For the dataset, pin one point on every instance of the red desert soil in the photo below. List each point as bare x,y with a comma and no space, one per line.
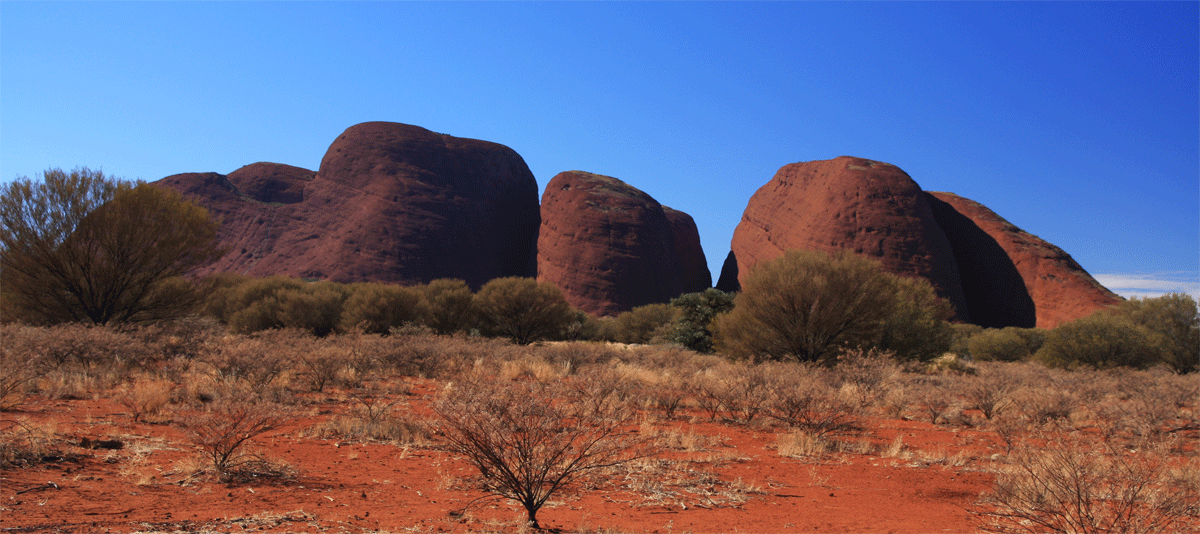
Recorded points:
344,486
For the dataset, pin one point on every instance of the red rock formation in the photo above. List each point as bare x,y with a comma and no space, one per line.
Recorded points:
1049,288
273,183
391,203
869,207
608,245
689,255
247,225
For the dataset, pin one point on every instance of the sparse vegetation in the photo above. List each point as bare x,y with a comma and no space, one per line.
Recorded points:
531,439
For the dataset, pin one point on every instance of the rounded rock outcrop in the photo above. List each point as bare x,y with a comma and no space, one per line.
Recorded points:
609,246
868,207
391,203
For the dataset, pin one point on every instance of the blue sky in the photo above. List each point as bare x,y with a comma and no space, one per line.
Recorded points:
1079,122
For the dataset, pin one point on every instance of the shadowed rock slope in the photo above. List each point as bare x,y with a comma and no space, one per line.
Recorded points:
1012,277
611,247
391,202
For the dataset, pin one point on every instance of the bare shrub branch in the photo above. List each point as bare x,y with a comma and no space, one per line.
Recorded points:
530,439
223,431
1070,485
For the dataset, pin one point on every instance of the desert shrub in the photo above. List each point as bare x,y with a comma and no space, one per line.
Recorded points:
21,362
145,396
960,336
255,362
990,389
573,356
866,376
645,324
1102,340
223,431
249,305
808,305
806,398
1002,345
530,440
697,312
316,307
448,305
376,308
935,396
24,443
1175,319
1066,484
523,309
916,326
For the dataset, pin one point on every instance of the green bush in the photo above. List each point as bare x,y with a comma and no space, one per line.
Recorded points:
376,308
1001,345
523,309
645,324
255,304
809,305
1102,340
692,329
1175,320
448,306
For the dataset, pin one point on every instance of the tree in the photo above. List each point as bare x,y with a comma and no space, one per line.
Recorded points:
523,309
697,311
808,305
82,246
530,439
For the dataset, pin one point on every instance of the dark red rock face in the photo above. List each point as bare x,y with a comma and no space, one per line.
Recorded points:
872,208
248,226
1012,277
391,203
608,245
689,255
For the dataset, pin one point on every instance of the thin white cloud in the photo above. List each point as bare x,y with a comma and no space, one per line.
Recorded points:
1151,284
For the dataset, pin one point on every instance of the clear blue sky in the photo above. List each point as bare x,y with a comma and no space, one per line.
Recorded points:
1079,122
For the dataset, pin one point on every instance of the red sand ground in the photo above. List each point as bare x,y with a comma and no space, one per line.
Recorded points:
366,487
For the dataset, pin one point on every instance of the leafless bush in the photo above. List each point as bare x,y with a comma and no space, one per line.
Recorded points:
1071,485
736,391
803,397
530,439
322,366
21,362
419,354
223,431
1042,404
254,361
935,395
990,389
374,416
866,375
